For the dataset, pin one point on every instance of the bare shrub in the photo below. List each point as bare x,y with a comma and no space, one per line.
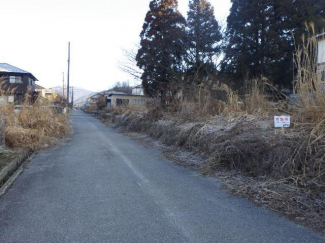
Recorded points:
233,103
154,110
92,108
256,100
199,105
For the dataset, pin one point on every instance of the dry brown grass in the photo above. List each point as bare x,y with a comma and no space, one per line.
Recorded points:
256,101
308,86
308,159
34,126
122,109
202,105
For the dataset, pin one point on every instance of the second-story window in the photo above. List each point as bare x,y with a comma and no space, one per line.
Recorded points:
31,82
15,80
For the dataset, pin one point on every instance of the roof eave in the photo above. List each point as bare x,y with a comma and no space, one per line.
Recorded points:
11,73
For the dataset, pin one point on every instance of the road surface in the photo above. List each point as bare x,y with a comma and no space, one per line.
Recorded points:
100,186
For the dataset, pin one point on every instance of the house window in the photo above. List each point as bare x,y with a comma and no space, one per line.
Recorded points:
15,80
122,101
31,82
139,101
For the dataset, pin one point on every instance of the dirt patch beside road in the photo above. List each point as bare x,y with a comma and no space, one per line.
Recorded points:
10,160
10,155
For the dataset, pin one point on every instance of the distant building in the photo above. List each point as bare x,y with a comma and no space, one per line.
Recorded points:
79,105
101,96
49,94
115,100
112,99
138,90
16,83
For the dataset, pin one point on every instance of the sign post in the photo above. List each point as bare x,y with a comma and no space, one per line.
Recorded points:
281,122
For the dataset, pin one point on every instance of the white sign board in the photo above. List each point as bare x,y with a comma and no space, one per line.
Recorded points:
11,99
282,121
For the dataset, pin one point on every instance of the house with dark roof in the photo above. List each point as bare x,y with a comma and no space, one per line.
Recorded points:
16,83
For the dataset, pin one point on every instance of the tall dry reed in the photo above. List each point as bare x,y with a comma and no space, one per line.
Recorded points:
308,86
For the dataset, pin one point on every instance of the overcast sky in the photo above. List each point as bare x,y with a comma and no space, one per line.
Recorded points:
35,36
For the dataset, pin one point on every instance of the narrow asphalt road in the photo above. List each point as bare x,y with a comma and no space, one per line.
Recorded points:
100,186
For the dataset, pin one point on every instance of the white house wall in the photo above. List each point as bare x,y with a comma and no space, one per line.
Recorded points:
321,61
321,52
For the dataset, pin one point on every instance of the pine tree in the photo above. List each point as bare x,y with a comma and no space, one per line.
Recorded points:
260,37
244,53
203,35
161,47
306,11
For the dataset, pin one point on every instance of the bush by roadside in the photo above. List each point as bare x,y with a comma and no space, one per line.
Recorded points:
35,126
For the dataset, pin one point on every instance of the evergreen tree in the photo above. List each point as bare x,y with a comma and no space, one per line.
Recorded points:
161,47
306,11
203,35
260,37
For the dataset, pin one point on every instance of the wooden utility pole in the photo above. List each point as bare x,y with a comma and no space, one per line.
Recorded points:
63,94
68,84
